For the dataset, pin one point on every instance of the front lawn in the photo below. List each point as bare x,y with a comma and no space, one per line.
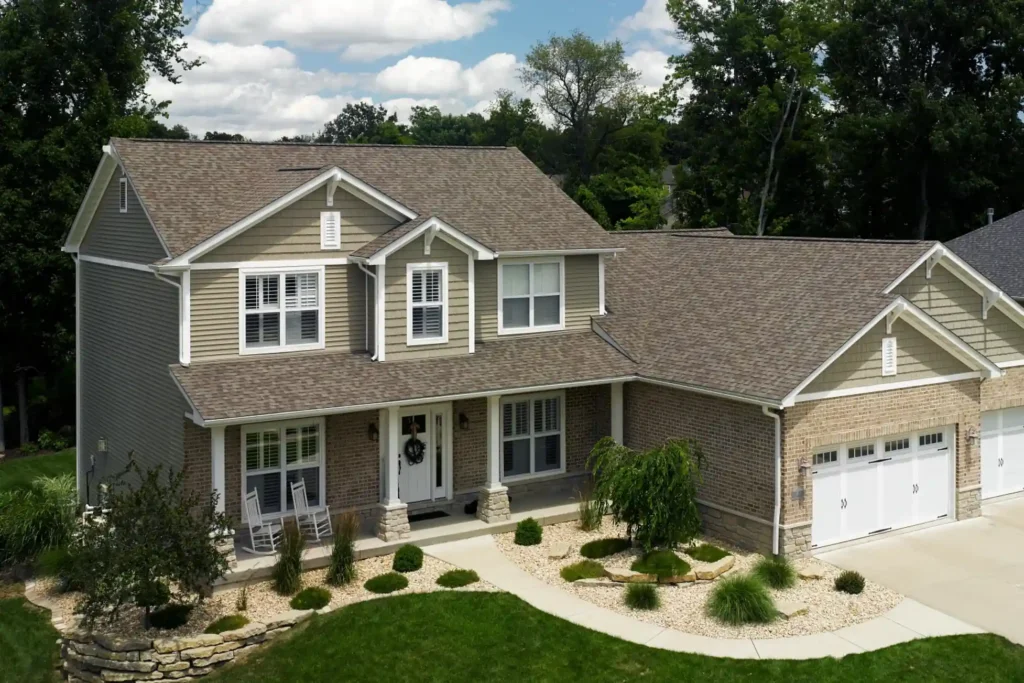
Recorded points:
28,650
19,473
485,636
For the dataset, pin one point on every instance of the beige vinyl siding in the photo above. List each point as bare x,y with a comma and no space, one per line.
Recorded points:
215,312
396,299
917,357
582,293
955,305
122,236
294,232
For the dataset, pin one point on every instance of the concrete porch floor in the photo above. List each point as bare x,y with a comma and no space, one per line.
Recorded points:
550,508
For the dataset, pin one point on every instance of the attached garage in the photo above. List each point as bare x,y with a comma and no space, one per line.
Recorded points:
1002,452
869,487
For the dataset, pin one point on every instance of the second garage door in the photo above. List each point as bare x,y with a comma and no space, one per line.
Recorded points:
869,487
1002,452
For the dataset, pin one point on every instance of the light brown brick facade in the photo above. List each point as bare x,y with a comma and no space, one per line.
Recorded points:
196,465
469,446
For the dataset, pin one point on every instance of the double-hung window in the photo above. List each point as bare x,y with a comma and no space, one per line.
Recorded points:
278,455
531,296
532,435
282,311
427,310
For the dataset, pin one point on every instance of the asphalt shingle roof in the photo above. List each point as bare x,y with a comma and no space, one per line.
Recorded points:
996,251
193,190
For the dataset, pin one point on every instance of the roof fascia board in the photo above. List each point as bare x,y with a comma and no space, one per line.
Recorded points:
91,201
371,195
559,252
693,388
481,252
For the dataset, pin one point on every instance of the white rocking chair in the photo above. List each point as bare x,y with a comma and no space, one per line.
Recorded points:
314,523
263,535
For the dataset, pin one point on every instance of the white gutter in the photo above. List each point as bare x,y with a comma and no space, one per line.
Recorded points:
778,477
376,331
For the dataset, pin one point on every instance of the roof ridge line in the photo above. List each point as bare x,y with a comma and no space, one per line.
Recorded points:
312,144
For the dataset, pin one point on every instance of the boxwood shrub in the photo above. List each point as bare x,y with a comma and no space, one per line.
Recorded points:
386,583
850,582
528,532
457,578
409,558
313,597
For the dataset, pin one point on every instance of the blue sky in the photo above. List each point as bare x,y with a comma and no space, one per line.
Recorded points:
275,68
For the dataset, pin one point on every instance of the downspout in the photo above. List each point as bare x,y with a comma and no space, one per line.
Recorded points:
376,332
778,477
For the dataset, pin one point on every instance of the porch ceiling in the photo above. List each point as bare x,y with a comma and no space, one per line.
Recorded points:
276,385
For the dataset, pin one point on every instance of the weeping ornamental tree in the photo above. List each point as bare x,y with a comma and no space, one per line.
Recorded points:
654,492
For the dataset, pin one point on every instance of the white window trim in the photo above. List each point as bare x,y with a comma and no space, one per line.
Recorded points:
518,398
410,268
282,348
502,330
122,194
280,427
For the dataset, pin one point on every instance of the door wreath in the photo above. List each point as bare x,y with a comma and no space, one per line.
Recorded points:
414,450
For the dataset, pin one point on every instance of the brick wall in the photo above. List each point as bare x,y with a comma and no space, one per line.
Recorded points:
587,421
469,447
196,464
233,473
737,439
1006,392
353,461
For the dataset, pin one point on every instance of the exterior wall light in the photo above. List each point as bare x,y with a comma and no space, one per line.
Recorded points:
972,435
373,432
463,421
101,445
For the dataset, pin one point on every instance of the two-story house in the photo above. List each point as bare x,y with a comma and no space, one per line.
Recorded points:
259,313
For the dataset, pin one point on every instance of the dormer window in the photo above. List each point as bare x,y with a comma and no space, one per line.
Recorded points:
427,309
122,195
531,296
282,311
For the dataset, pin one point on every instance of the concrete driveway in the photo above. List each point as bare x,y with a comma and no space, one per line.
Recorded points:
972,570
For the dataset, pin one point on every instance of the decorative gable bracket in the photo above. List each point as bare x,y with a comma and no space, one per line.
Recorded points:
894,315
332,185
990,299
428,238
934,259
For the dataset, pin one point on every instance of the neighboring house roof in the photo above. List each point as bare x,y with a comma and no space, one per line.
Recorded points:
997,252
497,196
746,316
280,385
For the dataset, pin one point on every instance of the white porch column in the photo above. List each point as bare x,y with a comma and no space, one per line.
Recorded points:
394,518
217,464
617,411
493,505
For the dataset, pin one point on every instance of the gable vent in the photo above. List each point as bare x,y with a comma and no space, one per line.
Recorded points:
330,230
888,356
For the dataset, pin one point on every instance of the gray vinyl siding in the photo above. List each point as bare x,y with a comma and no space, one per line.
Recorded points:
294,232
215,311
122,236
582,294
396,298
128,338
917,357
955,305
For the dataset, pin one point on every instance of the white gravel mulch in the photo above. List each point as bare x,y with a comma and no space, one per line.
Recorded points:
263,602
683,606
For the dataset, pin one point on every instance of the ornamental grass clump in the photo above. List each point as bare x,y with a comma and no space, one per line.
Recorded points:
409,558
288,570
585,569
741,599
313,597
457,578
342,569
231,622
528,532
850,582
603,547
37,518
590,512
386,583
775,572
643,596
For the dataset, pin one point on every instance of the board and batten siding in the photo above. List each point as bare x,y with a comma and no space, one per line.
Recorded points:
396,299
128,338
121,236
957,307
582,293
215,312
917,357
294,232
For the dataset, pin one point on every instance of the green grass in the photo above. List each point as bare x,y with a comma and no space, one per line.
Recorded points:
483,636
585,569
706,552
231,622
19,473
603,547
661,563
27,642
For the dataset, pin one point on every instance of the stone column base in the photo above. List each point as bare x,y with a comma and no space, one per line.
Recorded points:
394,522
968,504
795,542
492,505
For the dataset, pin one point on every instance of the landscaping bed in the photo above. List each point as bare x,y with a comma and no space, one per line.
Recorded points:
682,606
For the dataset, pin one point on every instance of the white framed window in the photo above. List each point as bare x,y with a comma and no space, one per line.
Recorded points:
281,310
330,229
122,195
929,439
276,455
888,356
863,451
897,445
426,312
532,435
826,457
531,296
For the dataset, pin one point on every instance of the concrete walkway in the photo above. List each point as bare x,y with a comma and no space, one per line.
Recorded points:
908,621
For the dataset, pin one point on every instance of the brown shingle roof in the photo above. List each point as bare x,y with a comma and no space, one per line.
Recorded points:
193,190
752,316
277,384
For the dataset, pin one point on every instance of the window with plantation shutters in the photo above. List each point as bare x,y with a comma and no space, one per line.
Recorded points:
888,356
330,230
282,311
427,305
531,433
278,455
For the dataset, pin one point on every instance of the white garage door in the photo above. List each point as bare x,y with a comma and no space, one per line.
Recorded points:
869,487
1002,452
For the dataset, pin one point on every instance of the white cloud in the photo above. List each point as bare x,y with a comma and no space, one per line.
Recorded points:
434,76
652,22
653,67
363,29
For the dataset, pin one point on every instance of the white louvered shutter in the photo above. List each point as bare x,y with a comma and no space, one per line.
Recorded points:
330,230
888,356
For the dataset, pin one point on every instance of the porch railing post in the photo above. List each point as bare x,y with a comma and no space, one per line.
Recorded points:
217,464
493,504
394,425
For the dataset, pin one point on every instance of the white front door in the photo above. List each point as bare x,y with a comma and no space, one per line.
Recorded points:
424,453
1002,452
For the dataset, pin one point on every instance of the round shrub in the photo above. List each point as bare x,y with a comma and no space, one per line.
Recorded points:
642,596
661,563
170,616
313,597
741,600
231,622
457,578
386,583
850,582
706,552
604,547
528,532
409,558
587,569
775,572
